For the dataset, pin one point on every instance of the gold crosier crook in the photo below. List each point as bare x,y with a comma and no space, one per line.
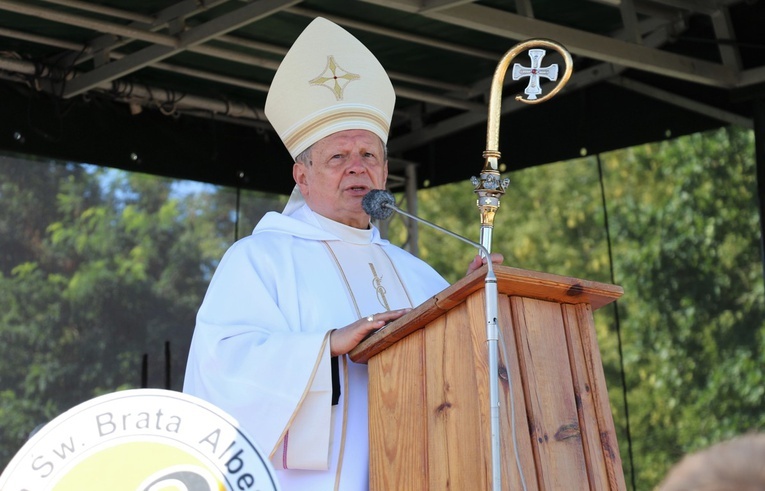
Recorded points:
489,187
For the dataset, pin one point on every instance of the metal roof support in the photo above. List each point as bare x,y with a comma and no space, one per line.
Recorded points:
148,96
630,21
657,30
509,105
191,72
708,7
153,54
109,42
103,10
412,231
684,102
394,34
87,23
197,35
578,42
524,8
759,159
725,36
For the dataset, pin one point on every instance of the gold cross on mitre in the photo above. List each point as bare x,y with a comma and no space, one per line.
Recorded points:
335,78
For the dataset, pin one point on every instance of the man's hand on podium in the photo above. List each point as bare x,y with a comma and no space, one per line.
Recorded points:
343,340
478,261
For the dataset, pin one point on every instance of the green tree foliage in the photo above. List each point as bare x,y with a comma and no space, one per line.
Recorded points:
99,269
688,255
684,230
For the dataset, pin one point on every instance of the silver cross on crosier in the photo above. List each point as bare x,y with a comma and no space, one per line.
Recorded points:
534,72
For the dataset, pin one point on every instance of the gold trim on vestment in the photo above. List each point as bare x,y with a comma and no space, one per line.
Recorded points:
400,281
346,402
346,384
345,278
302,397
379,288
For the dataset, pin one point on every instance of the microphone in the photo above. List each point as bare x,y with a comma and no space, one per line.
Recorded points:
380,205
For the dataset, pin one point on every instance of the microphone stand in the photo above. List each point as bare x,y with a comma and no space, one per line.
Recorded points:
492,340
490,188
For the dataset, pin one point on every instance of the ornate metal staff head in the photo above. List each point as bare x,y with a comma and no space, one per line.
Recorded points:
488,186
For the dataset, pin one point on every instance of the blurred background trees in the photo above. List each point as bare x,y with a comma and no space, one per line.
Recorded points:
683,229
101,271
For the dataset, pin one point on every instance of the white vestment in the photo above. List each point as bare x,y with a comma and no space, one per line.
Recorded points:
260,349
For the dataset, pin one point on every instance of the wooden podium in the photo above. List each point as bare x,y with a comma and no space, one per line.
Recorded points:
429,406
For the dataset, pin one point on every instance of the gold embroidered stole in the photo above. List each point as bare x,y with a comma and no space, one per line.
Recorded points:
371,289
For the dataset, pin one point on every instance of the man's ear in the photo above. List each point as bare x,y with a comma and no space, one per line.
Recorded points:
299,175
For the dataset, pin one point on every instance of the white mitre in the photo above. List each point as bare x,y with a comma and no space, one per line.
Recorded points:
327,82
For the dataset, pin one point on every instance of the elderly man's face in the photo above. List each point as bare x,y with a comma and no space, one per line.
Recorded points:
344,167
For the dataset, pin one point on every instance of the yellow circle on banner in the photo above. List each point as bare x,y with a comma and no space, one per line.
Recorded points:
140,440
126,468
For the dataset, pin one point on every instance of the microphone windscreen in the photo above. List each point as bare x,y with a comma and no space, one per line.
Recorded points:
375,201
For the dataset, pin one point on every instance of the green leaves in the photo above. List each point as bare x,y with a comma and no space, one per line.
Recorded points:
684,230
99,267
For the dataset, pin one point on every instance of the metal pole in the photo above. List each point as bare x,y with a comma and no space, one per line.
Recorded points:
413,236
759,158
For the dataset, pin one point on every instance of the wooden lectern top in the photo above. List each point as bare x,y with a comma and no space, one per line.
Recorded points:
511,281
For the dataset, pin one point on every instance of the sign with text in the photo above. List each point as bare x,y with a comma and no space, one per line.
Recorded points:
140,440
